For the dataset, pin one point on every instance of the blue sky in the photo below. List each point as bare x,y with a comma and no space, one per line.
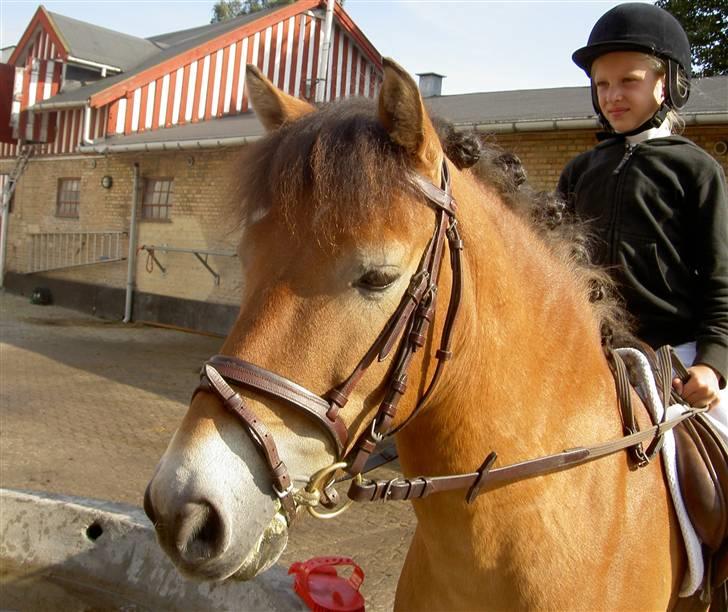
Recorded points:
480,45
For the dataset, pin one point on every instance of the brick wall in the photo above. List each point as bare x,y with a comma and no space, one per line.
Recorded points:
202,213
200,219
544,154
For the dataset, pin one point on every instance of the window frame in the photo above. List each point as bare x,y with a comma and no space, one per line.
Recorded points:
68,208
164,198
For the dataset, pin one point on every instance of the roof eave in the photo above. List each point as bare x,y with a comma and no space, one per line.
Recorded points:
577,123
170,145
49,105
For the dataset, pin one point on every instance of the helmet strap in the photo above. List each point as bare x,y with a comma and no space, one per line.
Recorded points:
655,121
675,94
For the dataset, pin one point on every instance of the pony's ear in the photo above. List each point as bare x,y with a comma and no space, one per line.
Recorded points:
272,106
403,115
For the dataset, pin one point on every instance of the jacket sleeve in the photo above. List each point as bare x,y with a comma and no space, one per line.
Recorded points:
712,334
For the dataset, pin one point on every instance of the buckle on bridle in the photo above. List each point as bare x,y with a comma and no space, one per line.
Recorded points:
376,436
318,482
285,493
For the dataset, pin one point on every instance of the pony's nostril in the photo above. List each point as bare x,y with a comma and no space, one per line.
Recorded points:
200,533
148,507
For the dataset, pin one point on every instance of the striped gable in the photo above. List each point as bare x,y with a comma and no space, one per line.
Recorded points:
195,76
38,61
207,81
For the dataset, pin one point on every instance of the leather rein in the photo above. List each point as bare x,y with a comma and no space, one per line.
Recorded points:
408,325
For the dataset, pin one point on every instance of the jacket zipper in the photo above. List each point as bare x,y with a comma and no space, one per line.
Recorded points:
617,213
625,158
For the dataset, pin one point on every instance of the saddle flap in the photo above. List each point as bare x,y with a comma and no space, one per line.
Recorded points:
702,463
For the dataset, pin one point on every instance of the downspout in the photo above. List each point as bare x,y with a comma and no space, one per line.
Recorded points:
4,233
323,66
87,124
131,258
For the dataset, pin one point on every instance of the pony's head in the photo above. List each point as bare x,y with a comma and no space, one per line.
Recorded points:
334,230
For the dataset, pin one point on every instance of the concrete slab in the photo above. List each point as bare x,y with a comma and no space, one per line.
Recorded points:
88,406
74,554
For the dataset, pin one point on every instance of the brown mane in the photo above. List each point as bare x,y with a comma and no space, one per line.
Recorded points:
338,162
548,216
342,166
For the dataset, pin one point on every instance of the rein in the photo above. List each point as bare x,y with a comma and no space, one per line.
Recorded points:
409,324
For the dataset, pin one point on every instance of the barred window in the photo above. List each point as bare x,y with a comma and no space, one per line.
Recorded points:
69,195
158,198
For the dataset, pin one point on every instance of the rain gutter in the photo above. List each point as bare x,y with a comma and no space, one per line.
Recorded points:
44,106
103,67
172,145
551,125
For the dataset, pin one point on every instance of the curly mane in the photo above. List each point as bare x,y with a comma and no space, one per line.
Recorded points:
547,214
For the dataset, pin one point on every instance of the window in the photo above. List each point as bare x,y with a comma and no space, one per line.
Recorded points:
69,194
158,198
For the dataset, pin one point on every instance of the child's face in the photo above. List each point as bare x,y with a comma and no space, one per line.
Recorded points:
628,88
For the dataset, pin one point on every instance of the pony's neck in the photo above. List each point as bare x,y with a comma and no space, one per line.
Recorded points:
528,360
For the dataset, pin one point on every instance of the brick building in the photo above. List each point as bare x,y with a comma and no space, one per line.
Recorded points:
123,208
547,127
117,150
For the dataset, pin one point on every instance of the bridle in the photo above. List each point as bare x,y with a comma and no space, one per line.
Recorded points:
409,325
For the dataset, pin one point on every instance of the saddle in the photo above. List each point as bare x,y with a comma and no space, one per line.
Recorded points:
702,466
702,463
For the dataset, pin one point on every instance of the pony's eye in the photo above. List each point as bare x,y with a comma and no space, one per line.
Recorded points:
376,279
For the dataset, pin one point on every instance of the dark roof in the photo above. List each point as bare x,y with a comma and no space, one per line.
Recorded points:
101,45
708,96
182,41
245,125
81,95
202,33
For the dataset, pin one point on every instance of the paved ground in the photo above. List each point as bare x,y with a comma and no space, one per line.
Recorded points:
87,408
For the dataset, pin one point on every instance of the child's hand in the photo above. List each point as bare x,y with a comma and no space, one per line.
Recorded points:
701,389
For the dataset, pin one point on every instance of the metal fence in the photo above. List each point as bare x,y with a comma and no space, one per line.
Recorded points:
54,250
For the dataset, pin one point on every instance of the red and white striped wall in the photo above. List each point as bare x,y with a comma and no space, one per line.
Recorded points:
41,80
8,149
38,61
65,129
213,85
200,84
43,47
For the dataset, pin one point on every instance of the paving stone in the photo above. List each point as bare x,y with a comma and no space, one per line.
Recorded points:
87,408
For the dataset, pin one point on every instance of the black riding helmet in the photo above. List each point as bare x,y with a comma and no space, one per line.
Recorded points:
648,29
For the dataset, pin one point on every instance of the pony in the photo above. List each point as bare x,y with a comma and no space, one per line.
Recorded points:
333,234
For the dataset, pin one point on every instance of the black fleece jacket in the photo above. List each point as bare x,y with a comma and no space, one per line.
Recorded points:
658,213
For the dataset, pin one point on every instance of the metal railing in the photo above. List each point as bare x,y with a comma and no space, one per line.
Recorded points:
55,250
201,254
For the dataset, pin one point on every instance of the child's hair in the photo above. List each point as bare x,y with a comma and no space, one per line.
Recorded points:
674,119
